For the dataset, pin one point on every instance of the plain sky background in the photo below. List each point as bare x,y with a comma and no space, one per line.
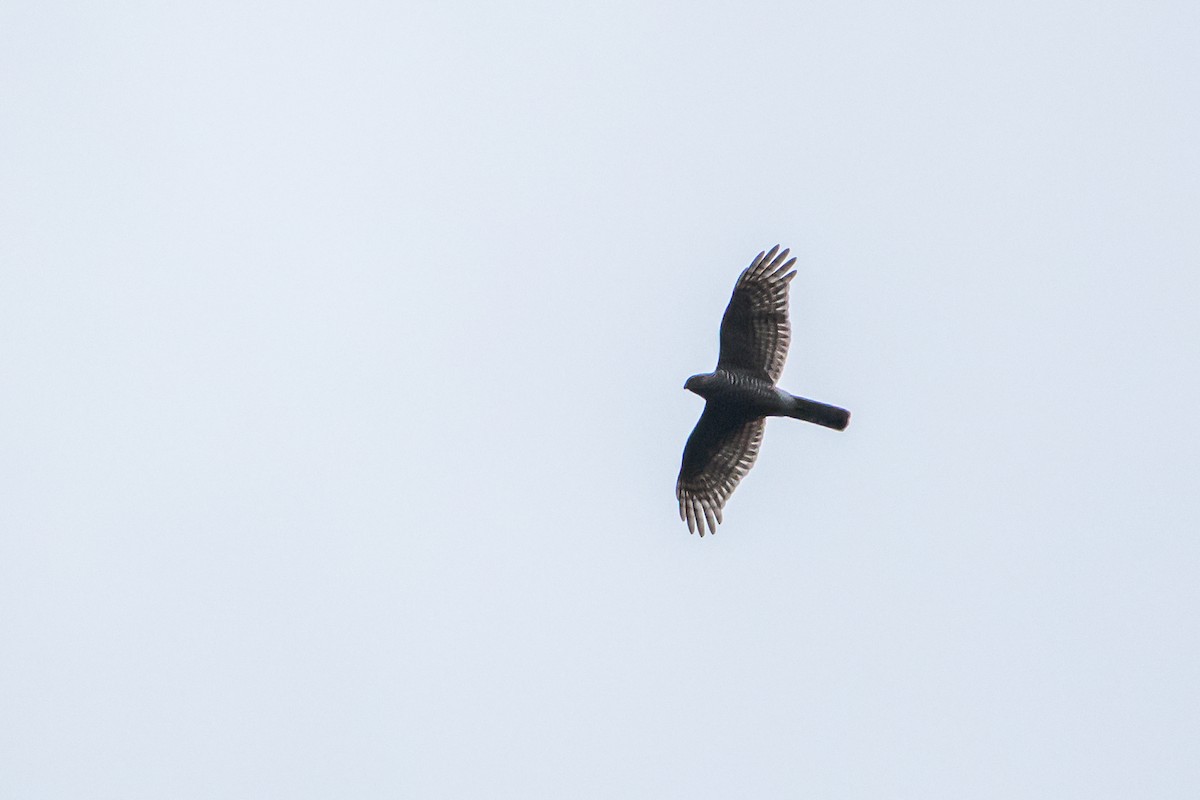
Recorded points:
342,348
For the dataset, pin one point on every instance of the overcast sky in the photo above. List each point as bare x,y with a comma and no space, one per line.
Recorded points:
343,344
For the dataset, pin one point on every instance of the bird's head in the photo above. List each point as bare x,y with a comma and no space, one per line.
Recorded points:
698,384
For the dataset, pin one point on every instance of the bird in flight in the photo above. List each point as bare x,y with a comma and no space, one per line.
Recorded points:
741,393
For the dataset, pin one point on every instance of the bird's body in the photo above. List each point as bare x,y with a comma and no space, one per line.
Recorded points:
733,385
741,392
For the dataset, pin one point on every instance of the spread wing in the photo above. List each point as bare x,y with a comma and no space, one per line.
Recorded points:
755,331
719,453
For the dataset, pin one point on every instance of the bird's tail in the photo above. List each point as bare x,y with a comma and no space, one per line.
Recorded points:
820,413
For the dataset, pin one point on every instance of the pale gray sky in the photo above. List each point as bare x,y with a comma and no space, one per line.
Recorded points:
343,348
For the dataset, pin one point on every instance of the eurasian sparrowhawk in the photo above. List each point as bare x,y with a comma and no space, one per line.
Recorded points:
741,393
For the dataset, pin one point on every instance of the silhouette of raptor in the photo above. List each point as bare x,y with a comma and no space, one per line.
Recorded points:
741,393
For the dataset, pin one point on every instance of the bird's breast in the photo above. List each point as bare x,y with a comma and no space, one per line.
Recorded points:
746,394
